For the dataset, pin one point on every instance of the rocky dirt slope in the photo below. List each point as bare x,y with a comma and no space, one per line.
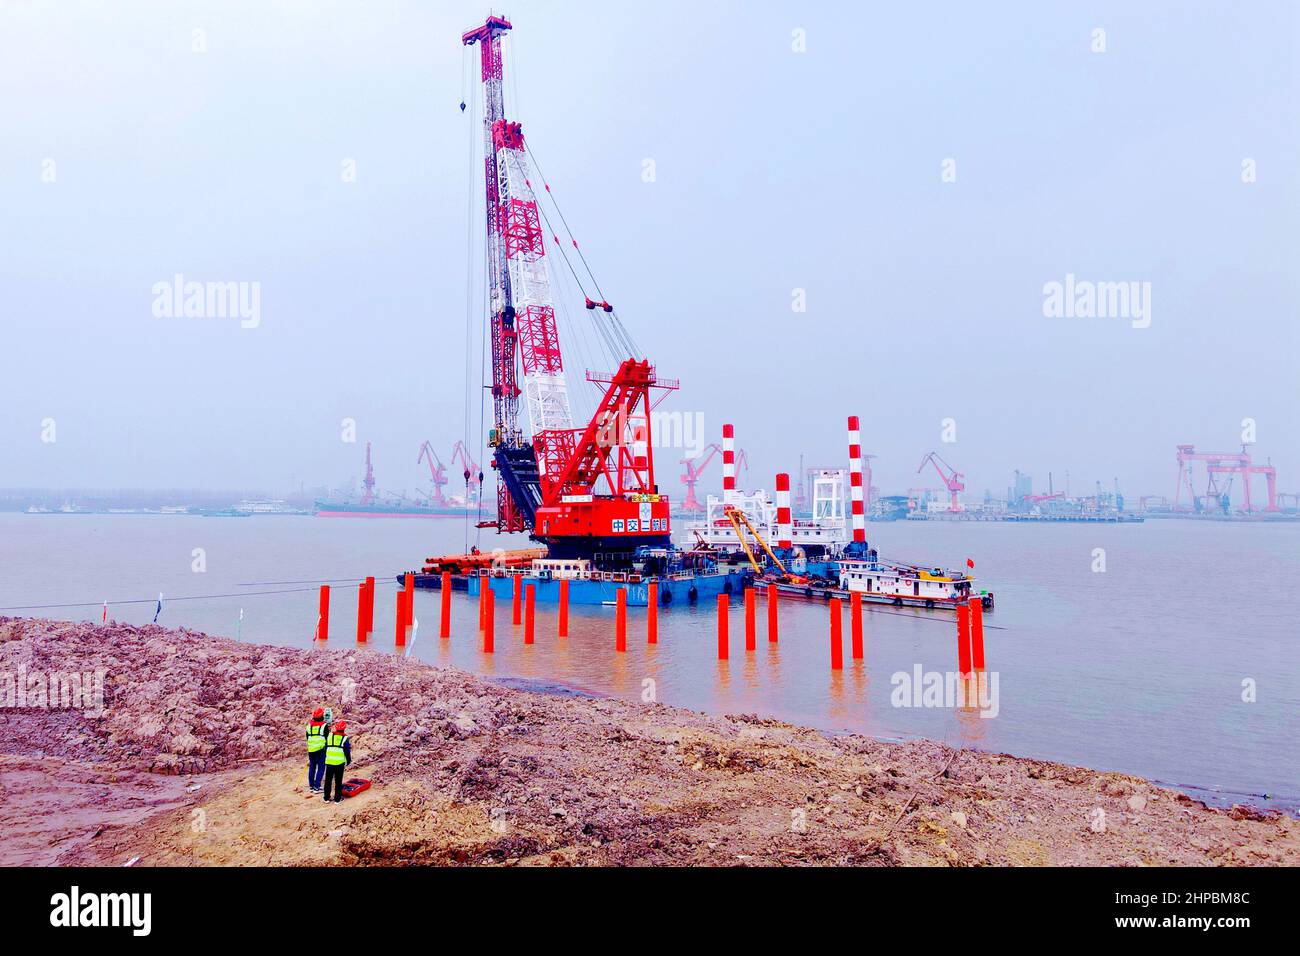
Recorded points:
197,758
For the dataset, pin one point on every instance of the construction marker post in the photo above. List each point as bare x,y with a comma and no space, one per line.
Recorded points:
963,640
514,598
483,583
444,627
652,613
724,605
408,597
563,629
363,627
489,622
977,633
771,614
529,599
837,636
855,623
323,629
370,608
749,619
620,621
399,634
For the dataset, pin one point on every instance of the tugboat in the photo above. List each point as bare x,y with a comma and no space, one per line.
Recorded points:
905,584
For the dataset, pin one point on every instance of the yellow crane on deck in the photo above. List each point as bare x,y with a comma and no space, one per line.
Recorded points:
739,518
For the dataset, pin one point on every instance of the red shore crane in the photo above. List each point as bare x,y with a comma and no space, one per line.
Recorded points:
473,476
1050,496
583,492
952,479
437,473
694,468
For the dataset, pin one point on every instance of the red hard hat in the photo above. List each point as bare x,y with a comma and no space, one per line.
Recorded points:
318,713
340,726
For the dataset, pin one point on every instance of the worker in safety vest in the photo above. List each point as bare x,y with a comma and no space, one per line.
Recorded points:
338,754
317,731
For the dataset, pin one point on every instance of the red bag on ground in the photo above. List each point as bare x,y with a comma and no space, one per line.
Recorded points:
354,786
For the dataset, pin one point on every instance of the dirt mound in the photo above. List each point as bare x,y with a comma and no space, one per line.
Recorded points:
472,772
175,701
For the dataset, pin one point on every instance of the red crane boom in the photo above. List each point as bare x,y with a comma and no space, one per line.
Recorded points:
473,476
584,492
437,473
694,468
952,479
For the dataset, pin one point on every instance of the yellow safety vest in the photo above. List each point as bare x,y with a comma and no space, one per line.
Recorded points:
334,755
315,738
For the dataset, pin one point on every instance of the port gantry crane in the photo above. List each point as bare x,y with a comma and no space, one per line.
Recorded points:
952,479
694,469
1229,463
437,473
583,492
473,476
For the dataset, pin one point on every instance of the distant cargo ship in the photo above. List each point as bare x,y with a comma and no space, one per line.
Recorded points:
392,509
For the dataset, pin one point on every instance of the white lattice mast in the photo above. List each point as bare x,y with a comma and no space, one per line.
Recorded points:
855,485
522,315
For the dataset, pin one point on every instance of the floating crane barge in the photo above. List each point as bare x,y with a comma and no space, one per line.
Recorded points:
588,494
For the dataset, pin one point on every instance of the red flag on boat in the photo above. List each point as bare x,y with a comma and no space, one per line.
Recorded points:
970,564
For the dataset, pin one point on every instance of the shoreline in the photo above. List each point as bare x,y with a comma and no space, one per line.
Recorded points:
196,760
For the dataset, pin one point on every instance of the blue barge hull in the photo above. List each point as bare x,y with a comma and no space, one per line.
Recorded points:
683,589
672,590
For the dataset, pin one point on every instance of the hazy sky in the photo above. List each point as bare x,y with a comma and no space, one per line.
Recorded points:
126,157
